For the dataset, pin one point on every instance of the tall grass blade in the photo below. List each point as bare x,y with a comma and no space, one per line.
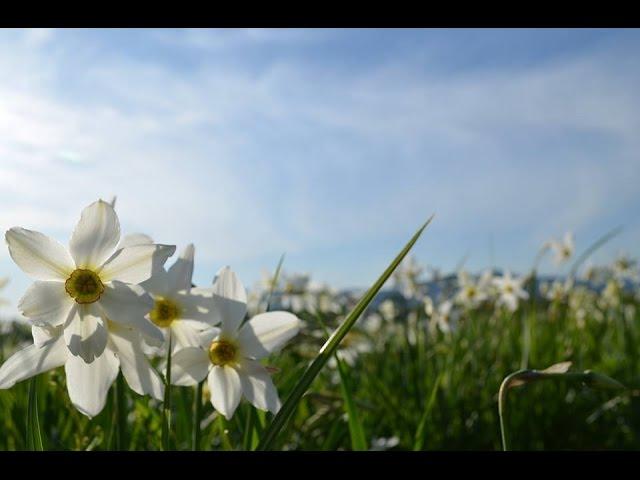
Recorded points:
330,347
419,438
356,430
594,246
274,281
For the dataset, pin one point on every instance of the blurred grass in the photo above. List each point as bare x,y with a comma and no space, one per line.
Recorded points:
432,390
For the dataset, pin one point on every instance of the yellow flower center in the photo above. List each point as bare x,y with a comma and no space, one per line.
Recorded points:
222,352
508,288
471,292
84,286
164,312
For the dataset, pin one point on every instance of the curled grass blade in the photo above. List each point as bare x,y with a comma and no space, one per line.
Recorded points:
555,372
330,347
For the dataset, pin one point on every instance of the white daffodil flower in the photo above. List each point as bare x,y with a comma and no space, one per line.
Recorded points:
470,294
510,291
81,287
180,309
624,267
87,383
445,317
3,283
229,357
563,249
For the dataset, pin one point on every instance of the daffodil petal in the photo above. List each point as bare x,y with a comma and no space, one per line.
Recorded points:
258,387
180,273
46,303
85,333
198,307
32,361
88,383
207,336
228,313
134,239
228,285
137,371
189,366
39,256
42,335
128,305
185,334
95,236
135,264
267,333
226,390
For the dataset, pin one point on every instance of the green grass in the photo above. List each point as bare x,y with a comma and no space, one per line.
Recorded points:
428,389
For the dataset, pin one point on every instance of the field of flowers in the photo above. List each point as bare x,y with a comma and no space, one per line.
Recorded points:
119,350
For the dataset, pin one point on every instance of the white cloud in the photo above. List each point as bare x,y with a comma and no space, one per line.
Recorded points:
294,157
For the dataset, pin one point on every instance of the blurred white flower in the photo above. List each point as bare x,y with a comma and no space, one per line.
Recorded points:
469,294
445,317
3,283
624,267
428,305
563,249
557,291
388,310
407,278
381,444
81,287
510,291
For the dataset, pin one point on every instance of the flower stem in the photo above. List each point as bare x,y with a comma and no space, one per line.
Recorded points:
121,416
197,415
166,408
502,402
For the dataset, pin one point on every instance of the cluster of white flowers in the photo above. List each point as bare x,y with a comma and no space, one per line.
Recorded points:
106,304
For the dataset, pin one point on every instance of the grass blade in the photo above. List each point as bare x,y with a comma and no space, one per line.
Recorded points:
419,438
274,281
594,246
358,438
34,436
330,347
356,430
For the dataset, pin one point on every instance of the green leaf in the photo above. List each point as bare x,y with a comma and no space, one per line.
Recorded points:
274,281
358,438
419,438
329,348
34,437
597,244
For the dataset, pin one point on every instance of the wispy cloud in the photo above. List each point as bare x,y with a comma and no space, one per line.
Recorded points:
249,157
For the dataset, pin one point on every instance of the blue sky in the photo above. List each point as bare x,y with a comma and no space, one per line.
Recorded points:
330,145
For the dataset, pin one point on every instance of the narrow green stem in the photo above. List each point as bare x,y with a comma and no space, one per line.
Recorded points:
166,408
121,414
526,341
197,417
248,430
